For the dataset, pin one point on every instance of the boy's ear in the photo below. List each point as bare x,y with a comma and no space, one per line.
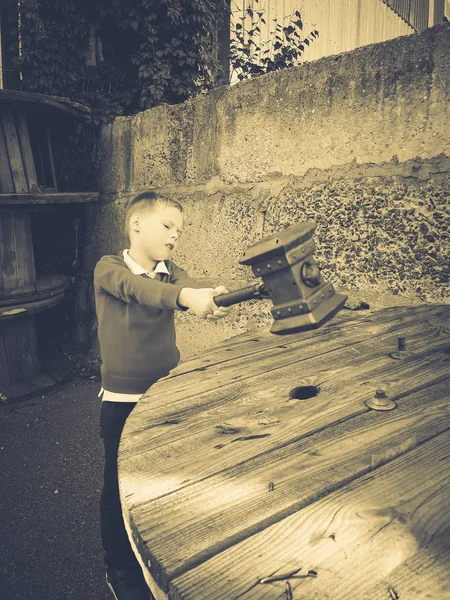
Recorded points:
134,221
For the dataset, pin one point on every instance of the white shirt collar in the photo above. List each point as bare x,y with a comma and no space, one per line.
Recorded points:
138,270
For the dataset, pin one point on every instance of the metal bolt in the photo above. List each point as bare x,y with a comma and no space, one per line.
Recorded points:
294,256
258,270
269,266
401,348
278,312
289,310
280,262
300,307
380,401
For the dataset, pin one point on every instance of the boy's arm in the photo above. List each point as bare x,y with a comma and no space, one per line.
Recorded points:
118,280
180,277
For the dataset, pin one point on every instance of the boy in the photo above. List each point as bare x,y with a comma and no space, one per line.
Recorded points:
136,294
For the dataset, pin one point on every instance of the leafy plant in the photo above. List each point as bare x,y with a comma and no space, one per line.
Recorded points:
283,47
155,51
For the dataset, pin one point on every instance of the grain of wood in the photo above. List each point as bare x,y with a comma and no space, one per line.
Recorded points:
51,198
6,179
4,370
353,537
32,306
254,342
54,183
25,146
26,272
261,403
268,360
26,339
13,149
8,265
426,575
15,372
187,498
20,293
169,449
44,102
187,527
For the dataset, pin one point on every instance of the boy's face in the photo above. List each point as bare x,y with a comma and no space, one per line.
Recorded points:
156,232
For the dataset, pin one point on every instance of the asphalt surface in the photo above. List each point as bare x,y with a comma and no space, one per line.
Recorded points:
51,476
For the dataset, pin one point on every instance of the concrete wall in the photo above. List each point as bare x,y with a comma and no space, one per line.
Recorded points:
358,142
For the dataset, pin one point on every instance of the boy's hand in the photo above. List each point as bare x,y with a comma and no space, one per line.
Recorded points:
221,311
201,302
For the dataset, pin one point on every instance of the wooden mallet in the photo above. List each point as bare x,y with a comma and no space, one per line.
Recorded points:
290,279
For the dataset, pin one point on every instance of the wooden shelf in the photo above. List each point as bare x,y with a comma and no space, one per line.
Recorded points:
46,292
44,287
41,102
11,201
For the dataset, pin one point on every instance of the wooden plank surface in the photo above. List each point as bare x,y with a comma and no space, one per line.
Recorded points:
187,527
14,153
4,369
425,575
32,101
30,306
26,272
8,263
44,287
6,180
259,405
15,373
275,353
227,442
215,457
9,200
26,339
25,146
252,435
387,527
50,154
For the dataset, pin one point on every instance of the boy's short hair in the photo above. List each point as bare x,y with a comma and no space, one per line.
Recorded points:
147,201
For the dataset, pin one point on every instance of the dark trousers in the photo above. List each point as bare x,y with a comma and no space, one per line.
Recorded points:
118,551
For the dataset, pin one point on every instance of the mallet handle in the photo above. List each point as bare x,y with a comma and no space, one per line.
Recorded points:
252,292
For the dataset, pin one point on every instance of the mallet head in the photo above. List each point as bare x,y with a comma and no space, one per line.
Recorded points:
301,298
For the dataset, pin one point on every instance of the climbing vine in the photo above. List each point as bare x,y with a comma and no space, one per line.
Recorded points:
154,51
252,54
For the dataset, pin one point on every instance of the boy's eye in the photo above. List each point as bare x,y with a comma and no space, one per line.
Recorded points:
166,226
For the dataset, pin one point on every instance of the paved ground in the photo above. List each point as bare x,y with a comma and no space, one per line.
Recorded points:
51,471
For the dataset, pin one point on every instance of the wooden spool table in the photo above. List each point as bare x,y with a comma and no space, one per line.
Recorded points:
260,458
28,183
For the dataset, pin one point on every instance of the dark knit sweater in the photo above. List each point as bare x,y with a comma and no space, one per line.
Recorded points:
136,323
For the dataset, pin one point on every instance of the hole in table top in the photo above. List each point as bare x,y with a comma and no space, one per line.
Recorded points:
304,392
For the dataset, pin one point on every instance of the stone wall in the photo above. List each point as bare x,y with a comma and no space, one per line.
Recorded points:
358,142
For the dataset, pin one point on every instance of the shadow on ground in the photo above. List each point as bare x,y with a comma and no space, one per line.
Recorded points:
52,463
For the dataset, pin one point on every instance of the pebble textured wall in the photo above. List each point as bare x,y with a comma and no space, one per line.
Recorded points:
359,143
